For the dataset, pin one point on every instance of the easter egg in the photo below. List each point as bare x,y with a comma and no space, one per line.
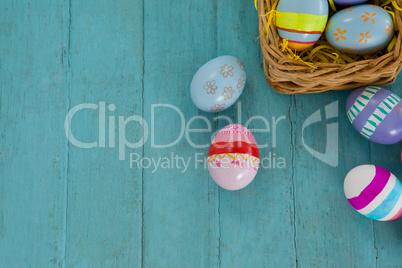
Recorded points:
374,192
376,114
301,22
362,29
233,157
349,2
218,84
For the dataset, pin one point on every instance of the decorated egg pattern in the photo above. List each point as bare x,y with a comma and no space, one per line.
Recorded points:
362,29
301,22
218,84
376,113
374,192
349,2
233,157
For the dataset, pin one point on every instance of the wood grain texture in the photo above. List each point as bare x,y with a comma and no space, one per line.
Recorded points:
329,232
65,206
270,194
388,235
32,147
104,195
180,209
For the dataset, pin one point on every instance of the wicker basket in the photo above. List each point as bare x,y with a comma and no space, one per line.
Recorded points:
288,76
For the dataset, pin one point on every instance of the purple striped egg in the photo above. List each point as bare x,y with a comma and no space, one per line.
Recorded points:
376,114
374,192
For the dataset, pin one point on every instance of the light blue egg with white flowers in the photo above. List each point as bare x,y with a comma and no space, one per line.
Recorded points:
362,29
218,84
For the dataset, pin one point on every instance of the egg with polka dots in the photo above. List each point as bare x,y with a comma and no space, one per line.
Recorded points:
218,84
362,29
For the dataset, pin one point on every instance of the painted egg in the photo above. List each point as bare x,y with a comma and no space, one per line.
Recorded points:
362,29
233,157
301,22
218,84
349,2
374,192
376,114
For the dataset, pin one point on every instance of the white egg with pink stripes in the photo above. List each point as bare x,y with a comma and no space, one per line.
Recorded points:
374,192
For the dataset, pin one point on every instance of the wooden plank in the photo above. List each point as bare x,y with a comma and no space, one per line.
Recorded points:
32,144
104,194
180,209
329,232
257,223
61,205
388,235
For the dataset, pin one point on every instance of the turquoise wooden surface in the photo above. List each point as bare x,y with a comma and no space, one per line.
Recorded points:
61,205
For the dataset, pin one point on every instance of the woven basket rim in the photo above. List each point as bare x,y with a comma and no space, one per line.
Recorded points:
289,76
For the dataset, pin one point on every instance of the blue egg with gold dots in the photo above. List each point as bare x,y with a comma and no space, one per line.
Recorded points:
349,2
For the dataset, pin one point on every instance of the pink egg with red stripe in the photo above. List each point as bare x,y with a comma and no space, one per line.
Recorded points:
233,157
374,192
